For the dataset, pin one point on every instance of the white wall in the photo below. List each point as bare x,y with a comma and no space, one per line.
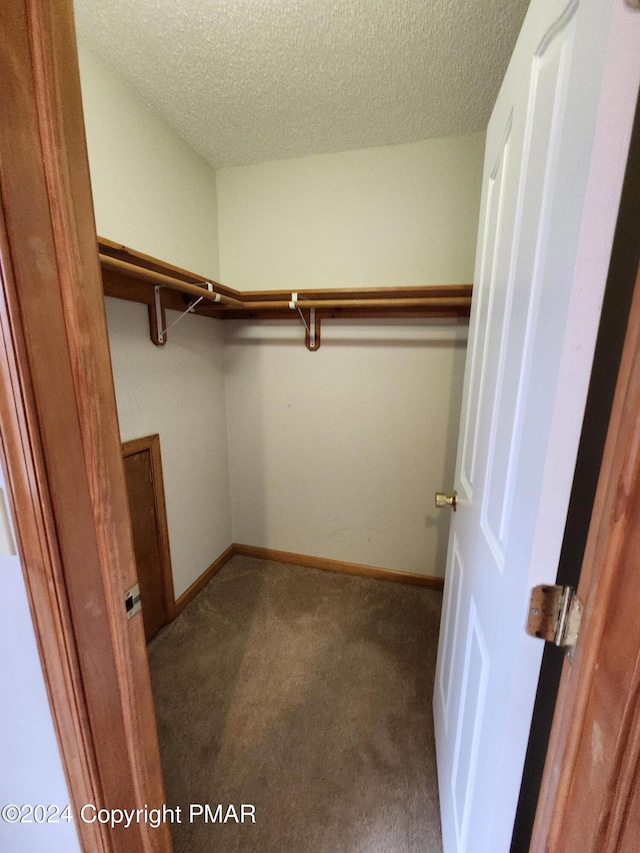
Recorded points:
31,768
155,194
178,391
151,191
394,216
338,453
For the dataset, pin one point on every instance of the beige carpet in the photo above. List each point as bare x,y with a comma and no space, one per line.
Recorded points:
307,694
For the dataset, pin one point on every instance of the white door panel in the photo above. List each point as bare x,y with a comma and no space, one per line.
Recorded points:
532,335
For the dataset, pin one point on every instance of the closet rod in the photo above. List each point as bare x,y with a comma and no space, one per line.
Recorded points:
134,271
438,303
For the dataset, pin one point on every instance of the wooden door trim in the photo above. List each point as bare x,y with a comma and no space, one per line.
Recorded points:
64,467
600,569
152,444
39,549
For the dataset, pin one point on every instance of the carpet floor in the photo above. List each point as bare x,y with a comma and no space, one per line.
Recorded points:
307,694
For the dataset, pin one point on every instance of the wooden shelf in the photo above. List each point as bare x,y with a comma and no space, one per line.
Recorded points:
131,275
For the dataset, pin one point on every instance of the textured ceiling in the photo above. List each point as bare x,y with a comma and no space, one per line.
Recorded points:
245,81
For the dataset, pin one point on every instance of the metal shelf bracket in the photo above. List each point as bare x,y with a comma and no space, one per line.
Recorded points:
157,316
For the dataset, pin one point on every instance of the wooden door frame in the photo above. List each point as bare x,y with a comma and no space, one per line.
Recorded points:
601,584
60,436
152,444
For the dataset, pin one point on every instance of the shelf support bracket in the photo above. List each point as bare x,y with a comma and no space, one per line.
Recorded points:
312,331
157,319
312,327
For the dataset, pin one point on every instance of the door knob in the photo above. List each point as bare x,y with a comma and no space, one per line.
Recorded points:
447,500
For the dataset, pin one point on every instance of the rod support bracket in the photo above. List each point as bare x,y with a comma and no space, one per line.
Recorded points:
312,331
157,319
311,323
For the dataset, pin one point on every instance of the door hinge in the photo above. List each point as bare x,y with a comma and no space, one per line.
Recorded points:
132,601
554,615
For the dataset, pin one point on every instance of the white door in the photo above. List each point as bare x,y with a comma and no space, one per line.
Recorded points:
553,170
